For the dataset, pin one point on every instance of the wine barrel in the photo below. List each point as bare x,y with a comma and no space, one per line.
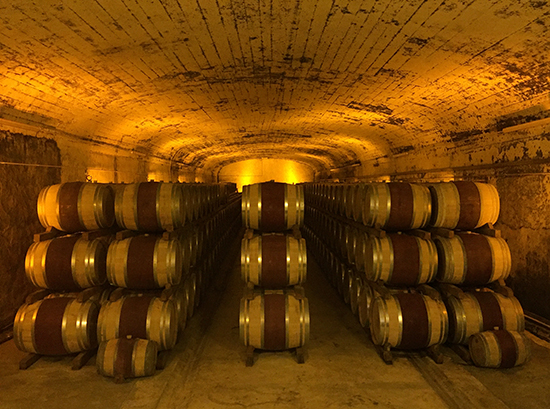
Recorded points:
482,311
355,287
274,320
151,207
359,244
359,201
365,297
56,326
472,259
144,262
408,321
399,259
188,201
499,349
67,263
347,279
186,246
76,206
190,287
272,207
351,238
273,261
397,206
464,205
349,205
139,316
129,358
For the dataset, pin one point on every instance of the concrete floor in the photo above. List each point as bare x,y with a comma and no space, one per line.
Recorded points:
342,369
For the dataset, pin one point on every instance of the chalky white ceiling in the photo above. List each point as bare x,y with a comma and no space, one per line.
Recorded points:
326,82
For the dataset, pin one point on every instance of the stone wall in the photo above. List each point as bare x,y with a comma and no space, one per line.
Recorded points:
27,164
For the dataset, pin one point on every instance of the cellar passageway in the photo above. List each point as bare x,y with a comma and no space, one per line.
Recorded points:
342,369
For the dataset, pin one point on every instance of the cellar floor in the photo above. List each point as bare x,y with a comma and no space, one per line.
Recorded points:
207,370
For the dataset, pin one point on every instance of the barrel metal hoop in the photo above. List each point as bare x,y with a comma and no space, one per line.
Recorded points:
287,321
399,319
262,320
155,263
158,203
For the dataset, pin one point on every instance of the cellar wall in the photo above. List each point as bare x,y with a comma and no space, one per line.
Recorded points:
27,164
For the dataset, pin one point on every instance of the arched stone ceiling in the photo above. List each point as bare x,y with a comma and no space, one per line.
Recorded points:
328,83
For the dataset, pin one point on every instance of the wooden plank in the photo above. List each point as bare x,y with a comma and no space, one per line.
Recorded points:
82,359
28,361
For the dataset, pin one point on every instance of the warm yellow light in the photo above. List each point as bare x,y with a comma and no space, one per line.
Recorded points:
100,175
262,170
153,177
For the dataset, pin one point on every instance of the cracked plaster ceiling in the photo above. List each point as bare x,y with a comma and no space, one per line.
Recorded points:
328,83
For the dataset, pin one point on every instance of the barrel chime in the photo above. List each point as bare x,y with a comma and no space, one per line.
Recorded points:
385,242
274,313
173,237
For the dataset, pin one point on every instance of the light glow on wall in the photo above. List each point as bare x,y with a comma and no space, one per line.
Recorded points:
262,170
100,175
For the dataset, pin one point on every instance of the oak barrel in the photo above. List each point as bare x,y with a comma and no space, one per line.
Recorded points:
190,289
150,206
408,321
129,358
399,259
397,206
481,311
56,326
274,320
144,262
272,207
360,194
189,201
472,259
67,263
364,300
274,260
139,316
499,349
76,206
355,288
351,192
464,205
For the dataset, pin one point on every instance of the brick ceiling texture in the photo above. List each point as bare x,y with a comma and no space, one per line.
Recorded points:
330,83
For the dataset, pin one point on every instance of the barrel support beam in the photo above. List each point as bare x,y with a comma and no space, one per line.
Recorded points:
28,361
82,359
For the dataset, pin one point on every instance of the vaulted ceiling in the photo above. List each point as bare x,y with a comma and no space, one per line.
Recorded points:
329,83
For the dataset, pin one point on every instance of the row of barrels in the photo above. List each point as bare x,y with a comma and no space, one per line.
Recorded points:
64,323
274,313
491,323
394,206
403,259
145,261
148,206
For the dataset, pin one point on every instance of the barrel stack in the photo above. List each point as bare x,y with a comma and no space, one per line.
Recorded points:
274,313
162,263
367,238
147,272
486,321
395,251
68,263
